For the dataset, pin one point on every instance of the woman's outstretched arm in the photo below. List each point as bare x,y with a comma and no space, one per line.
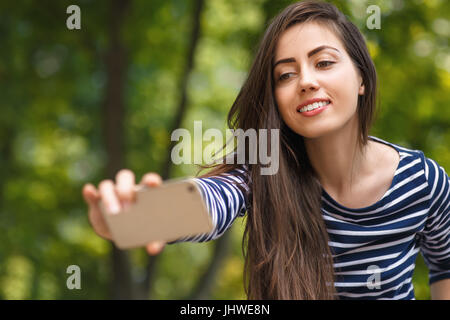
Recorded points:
224,200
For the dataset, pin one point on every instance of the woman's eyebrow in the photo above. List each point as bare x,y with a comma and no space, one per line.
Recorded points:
310,54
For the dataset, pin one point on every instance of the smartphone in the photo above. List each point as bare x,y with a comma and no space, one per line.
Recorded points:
168,212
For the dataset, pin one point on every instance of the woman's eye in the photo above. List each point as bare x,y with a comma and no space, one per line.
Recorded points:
283,76
323,64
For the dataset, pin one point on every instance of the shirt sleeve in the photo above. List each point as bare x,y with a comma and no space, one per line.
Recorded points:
435,245
225,197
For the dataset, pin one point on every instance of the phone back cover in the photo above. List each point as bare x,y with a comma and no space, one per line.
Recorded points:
165,213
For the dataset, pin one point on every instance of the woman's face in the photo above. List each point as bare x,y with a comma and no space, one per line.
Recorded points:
311,72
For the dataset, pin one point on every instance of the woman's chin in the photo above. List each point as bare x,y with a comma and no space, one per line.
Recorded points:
314,133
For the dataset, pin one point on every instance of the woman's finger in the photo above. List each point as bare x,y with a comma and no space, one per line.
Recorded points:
151,179
90,194
109,197
125,187
92,197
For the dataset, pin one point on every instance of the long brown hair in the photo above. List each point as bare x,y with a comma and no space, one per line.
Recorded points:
285,242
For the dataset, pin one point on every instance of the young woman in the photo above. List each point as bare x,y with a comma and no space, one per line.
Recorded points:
347,213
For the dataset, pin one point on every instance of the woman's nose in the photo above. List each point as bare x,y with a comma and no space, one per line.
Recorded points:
307,81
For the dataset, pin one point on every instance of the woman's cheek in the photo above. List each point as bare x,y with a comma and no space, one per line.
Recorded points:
283,97
286,111
342,92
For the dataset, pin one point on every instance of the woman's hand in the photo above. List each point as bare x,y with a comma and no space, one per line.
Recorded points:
115,198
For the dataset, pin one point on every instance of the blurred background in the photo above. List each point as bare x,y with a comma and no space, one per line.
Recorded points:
78,105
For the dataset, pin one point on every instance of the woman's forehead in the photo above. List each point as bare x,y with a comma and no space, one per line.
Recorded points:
304,37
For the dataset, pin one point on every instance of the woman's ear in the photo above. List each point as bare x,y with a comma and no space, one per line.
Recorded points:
361,89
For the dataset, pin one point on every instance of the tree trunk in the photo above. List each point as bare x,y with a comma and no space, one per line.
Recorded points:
205,284
182,105
180,113
113,114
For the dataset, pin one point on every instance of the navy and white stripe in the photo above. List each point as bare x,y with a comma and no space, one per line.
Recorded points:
374,248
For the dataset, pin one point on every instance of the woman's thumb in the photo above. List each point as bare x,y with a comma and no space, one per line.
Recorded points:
155,247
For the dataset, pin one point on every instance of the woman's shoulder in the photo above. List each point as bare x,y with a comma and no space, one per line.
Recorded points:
403,151
416,162
409,156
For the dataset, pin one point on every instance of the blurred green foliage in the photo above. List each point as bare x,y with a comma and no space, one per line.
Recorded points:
52,82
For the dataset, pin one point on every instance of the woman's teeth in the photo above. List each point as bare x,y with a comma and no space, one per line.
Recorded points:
313,106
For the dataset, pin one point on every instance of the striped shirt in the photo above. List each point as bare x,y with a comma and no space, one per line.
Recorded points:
374,248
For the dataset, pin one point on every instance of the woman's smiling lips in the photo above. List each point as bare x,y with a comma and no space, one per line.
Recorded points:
312,107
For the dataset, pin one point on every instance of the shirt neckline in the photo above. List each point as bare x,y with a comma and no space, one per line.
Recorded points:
377,203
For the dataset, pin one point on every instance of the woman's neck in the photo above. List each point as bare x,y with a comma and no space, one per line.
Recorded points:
338,159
